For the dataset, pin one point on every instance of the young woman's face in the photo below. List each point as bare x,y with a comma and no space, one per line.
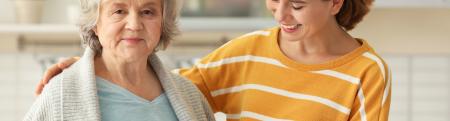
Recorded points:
129,29
302,18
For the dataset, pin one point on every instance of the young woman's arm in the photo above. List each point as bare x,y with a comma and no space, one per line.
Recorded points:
373,99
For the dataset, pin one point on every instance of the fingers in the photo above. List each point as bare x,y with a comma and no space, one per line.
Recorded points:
50,73
54,70
65,63
39,88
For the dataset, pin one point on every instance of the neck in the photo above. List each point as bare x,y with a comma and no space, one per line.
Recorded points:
323,45
122,71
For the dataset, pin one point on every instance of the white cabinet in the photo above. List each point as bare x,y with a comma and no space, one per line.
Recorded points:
420,88
20,72
430,88
400,88
8,92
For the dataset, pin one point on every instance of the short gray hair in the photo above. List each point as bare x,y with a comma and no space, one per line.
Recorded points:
90,15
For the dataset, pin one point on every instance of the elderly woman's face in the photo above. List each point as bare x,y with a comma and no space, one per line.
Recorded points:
300,18
129,28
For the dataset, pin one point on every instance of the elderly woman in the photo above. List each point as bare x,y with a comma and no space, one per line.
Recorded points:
306,69
119,77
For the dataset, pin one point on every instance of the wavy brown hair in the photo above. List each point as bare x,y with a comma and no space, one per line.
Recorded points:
352,12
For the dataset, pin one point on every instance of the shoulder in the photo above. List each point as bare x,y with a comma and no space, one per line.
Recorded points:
47,104
368,59
246,44
252,37
375,67
374,60
53,90
54,83
191,94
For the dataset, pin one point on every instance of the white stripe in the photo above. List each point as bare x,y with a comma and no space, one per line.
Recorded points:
176,71
362,109
242,59
386,90
285,93
378,61
339,75
263,33
253,115
382,69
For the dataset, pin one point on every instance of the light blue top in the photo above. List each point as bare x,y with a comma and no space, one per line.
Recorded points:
72,95
119,104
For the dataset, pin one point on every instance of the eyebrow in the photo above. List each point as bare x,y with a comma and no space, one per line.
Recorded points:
114,3
298,1
119,4
150,4
122,4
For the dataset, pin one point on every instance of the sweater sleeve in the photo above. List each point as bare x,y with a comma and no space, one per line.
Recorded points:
47,107
208,110
373,99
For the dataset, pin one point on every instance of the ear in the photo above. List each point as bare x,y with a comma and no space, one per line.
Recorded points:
336,6
95,30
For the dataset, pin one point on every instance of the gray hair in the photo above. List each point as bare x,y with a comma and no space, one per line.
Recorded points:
90,15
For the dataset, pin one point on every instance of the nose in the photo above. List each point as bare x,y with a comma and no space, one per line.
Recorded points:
134,22
282,13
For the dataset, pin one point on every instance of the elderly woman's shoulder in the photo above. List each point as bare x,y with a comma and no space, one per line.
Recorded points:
194,97
70,77
53,85
47,103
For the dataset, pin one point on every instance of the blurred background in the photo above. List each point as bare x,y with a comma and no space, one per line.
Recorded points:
412,35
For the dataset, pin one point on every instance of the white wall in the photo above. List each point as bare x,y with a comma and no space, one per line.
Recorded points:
420,87
407,30
54,11
7,11
412,3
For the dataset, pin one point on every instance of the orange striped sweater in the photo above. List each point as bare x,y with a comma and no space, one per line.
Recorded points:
249,78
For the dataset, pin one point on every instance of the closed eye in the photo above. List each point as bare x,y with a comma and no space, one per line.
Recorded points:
297,6
119,11
147,12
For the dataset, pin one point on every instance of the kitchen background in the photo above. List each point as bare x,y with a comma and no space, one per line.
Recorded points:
412,35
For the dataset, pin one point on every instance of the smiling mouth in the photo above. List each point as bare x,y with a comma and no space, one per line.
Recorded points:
132,40
290,27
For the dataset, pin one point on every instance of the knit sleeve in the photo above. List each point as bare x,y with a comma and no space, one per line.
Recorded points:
47,106
198,79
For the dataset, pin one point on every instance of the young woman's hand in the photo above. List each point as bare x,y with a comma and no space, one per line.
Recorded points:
54,70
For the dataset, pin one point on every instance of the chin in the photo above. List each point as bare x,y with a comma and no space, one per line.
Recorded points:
134,58
134,54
